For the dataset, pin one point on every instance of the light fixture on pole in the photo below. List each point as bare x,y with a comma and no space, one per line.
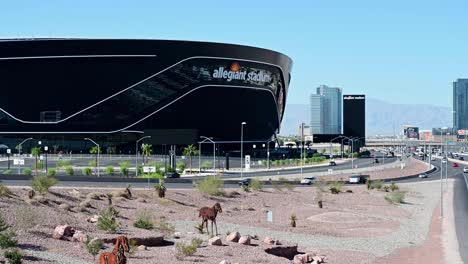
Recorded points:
98,151
136,154
242,148
20,145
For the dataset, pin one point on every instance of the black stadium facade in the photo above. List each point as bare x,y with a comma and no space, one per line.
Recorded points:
118,90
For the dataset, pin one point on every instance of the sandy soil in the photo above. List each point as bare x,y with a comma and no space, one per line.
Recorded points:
361,213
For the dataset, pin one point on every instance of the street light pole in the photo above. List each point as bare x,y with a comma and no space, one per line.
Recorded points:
20,146
136,154
242,148
98,151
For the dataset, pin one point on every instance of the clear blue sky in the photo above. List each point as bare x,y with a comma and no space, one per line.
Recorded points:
406,51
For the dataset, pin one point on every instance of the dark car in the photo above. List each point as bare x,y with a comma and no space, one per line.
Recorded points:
332,163
461,158
376,161
245,182
172,175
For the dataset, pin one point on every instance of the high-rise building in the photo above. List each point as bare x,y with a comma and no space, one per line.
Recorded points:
326,109
316,113
354,118
460,104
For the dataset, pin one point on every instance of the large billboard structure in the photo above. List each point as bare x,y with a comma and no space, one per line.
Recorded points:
354,118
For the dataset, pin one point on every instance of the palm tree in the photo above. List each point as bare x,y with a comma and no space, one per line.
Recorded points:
190,151
147,150
95,150
36,152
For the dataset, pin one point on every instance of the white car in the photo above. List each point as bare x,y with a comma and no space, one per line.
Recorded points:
433,158
444,161
465,169
308,180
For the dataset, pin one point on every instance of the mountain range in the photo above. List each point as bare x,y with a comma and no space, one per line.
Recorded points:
382,118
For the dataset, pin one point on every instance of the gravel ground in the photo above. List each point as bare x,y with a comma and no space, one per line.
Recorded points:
351,228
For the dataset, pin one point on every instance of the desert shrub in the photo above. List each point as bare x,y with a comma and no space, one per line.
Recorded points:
107,222
5,191
197,242
277,186
140,170
185,250
317,155
7,239
256,185
63,163
386,188
199,228
377,184
164,227
110,170
42,183
394,187
133,247
93,246
211,185
289,187
7,172
124,168
92,163
69,170
40,165
87,171
246,188
27,171
396,197
335,187
14,256
293,219
143,220
51,172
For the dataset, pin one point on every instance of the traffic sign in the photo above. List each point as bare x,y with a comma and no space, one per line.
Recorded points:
8,151
247,161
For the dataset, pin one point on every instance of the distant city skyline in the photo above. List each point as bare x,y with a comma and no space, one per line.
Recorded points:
325,106
399,51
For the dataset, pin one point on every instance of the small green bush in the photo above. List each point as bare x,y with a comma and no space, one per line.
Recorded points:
180,166
197,242
14,256
124,168
185,250
246,188
69,170
143,220
63,163
164,227
107,222
377,184
199,228
92,163
394,187
87,171
386,188
7,172
256,185
396,197
7,239
110,170
51,172
5,191
27,171
93,246
335,187
42,183
211,186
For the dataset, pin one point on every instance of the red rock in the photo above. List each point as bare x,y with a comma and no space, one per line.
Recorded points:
62,231
244,240
215,241
233,237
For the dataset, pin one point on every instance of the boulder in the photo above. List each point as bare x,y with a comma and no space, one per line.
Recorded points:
79,236
63,231
64,206
215,241
300,259
93,219
310,256
233,237
141,248
244,240
318,259
269,241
